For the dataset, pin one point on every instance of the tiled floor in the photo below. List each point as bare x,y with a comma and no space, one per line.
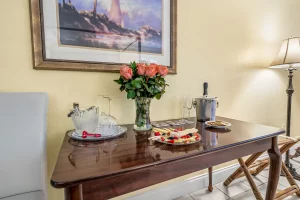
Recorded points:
240,189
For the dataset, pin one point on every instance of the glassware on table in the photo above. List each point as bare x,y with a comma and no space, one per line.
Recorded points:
85,119
183,110
107,120
186,106
189,105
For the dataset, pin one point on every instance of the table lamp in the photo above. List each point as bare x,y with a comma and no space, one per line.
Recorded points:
288,58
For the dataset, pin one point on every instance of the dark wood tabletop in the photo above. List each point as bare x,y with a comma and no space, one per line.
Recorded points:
132,162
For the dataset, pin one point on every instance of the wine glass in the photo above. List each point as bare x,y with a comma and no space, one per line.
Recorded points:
183,110
189,103
107,120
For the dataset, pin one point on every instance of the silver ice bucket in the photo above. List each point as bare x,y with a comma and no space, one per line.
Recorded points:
206,108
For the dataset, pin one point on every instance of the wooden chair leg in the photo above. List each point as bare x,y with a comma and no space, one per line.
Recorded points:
260,168
239,171
210,185
290,178
250,180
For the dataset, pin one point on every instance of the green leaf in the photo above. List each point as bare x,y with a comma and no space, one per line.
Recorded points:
129,86
122,88
138,93
156,90
119,81
131,94
151,82
133,65
136,84
147,88
158,96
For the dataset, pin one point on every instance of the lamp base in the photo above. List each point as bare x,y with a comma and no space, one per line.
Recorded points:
292,170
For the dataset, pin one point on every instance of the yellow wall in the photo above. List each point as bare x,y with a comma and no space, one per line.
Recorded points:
227,43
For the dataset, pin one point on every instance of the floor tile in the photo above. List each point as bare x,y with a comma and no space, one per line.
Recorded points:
186,197
284,181
296,163
206,195
246,196
263,188
258,180
233,189
265,173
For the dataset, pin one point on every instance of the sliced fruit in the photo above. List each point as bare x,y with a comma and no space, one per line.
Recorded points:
157,134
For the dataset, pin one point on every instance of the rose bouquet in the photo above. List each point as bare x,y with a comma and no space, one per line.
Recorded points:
143,82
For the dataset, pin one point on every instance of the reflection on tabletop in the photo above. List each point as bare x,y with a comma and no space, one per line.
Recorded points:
92,149
142,154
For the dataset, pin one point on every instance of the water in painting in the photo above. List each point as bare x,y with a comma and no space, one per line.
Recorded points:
117,25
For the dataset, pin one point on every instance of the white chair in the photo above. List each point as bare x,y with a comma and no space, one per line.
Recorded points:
23,126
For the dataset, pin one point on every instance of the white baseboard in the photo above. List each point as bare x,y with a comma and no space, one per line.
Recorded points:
176,190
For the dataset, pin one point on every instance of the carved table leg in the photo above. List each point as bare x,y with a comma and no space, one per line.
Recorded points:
275,168
74,193
210,187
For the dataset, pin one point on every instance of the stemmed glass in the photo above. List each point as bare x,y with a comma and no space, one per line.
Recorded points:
107,119
183,110
109,147
189,106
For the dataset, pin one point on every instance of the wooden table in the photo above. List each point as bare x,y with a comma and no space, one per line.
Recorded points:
103,170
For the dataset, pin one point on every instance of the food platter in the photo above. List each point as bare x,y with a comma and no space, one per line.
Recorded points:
176,137
217,124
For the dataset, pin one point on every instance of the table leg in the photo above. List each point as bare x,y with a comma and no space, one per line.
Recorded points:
210,187
74,193
275,168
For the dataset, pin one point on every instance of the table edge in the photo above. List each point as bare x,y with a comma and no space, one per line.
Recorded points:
59,184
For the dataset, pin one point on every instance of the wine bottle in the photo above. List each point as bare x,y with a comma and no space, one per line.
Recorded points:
205,89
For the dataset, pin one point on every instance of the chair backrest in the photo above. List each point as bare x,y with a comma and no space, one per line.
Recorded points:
23,128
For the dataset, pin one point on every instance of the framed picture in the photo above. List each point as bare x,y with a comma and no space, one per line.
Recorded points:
102,35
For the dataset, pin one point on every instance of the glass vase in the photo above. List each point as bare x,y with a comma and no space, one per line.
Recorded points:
142,120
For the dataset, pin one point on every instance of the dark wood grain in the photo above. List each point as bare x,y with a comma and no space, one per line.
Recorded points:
210,181
275,167
110,169
74,193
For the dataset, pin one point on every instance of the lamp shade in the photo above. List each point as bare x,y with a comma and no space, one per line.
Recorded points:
289,54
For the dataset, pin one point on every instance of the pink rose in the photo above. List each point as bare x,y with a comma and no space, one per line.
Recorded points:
163,70
141,68
151,70
126,72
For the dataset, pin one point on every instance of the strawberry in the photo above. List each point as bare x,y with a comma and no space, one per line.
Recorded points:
162,139
171,141
157,134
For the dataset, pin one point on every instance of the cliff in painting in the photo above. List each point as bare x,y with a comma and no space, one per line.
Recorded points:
117,25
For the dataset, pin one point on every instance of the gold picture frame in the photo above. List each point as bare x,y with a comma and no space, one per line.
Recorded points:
38,46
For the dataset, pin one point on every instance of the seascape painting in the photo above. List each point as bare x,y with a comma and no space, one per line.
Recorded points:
112,25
